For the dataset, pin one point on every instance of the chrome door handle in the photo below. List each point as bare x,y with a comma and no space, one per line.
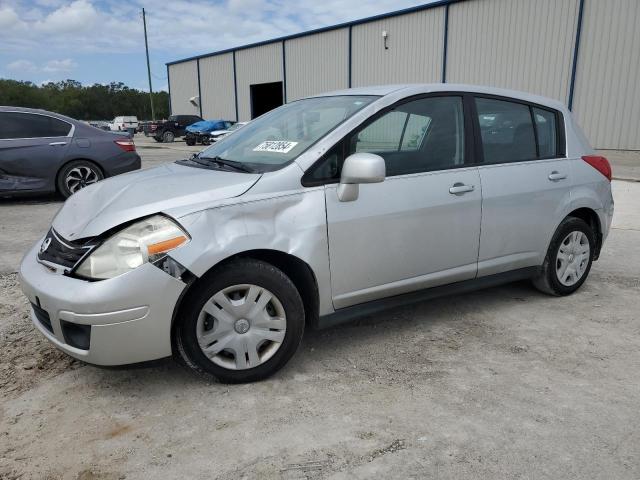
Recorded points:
555,176
54,144
460,188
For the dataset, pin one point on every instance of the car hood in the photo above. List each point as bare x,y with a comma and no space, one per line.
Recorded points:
112,202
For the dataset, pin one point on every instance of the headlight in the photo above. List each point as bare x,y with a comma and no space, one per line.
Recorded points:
148,240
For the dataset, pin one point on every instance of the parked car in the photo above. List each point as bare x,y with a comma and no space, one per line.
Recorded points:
42,152
121,124
174,127
100,124
200,132
316,212
220,134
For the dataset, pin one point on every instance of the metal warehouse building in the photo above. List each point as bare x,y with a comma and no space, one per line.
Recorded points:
585,53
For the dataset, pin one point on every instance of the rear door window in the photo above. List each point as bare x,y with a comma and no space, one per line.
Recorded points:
506,130
29,125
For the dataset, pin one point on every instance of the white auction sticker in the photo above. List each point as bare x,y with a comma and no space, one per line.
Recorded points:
277,146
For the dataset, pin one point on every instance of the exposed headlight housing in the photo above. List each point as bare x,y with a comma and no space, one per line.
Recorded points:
146,241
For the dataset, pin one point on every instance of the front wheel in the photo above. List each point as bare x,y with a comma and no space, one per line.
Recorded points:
168,137
568,259
242,323
76,175
190,141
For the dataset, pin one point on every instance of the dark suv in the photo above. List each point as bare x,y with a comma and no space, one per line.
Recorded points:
174,127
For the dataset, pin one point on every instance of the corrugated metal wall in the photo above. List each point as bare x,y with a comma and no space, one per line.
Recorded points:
607,92
525,45
414,54
317,63
261,64
216,87
183,78
520,44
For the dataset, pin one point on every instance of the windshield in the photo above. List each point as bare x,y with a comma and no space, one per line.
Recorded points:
278,137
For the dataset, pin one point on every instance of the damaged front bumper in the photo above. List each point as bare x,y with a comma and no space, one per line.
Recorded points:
122,320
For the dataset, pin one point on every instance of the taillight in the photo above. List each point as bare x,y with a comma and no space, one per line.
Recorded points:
599,163
126,145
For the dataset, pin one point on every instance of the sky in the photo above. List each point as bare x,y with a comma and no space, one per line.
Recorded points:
102,41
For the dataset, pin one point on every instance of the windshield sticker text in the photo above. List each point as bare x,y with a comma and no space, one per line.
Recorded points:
277,146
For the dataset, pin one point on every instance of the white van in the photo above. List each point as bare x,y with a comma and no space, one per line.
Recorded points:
123,123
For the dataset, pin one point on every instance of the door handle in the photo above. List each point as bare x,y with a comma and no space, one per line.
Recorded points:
555,176
54,144
460,188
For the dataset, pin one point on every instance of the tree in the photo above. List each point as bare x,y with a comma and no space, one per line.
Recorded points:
94,102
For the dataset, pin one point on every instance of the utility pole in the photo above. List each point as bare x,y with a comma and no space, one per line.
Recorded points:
146,47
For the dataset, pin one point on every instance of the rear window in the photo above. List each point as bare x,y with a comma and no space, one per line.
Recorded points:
30,125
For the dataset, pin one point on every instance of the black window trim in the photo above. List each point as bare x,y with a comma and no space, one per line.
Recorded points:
68,135
560,136
470,150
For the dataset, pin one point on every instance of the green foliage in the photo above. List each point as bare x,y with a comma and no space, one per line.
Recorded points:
97,102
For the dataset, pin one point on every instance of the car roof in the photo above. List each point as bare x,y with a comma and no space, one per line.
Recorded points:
4,108
401,90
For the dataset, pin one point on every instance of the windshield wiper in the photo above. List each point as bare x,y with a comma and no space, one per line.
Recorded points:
227,163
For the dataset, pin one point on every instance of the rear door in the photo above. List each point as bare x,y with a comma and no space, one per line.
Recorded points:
526,180
32,147
420,227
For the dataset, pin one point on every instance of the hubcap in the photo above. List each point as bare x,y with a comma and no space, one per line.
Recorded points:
572,258
80,177
241,327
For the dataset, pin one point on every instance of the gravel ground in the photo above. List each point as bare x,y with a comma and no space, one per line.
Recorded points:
501,383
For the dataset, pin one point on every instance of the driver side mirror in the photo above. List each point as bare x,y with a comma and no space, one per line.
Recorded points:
359,168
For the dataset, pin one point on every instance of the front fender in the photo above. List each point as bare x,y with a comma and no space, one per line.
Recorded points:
293,223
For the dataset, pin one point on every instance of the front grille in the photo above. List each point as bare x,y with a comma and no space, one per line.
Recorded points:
43,317
62,252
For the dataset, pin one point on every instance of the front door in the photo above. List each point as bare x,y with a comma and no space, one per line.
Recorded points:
421,226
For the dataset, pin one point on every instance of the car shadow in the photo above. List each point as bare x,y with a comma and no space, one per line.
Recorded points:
321,346
30,200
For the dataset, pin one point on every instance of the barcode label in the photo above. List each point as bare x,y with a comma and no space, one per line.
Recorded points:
276,146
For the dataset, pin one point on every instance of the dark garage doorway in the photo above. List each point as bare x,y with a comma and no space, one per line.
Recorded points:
265,97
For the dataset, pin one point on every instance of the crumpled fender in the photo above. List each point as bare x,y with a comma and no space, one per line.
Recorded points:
293,222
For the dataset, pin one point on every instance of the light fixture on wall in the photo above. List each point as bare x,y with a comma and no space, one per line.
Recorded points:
384,36
194,101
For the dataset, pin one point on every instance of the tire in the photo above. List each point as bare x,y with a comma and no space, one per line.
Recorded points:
76,175
270,337
168,137
190,141
569,258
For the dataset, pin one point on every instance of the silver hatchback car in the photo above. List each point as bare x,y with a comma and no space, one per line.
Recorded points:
321,210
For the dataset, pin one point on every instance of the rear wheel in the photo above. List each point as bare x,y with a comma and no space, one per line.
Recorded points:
76,175
168,137
568,259
242,323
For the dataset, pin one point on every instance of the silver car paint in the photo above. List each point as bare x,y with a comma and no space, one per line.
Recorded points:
130,314
404,214
228,213
94,210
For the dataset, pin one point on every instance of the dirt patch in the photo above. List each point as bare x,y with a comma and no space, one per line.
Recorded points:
26,357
